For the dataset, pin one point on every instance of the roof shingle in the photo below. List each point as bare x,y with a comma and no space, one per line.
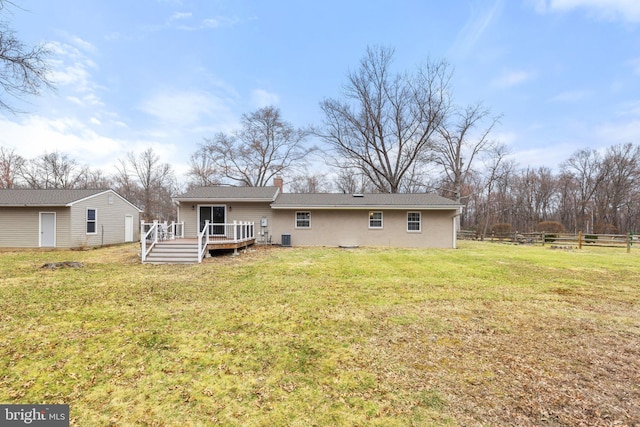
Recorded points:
381,200
266,194
49,197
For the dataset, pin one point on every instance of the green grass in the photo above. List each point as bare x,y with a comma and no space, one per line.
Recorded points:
488,334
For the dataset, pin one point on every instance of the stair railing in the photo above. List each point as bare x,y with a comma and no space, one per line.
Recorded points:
203,241
149,239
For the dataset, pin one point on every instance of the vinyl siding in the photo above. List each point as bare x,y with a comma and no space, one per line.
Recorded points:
240,211
351,227
21,226
110,224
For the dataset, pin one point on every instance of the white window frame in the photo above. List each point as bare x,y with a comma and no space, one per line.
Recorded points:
419,222
94,221
297,223
381,219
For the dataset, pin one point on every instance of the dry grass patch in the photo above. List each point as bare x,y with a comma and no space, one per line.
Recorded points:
488,334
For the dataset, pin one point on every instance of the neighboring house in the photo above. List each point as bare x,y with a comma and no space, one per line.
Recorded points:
396,220
66,218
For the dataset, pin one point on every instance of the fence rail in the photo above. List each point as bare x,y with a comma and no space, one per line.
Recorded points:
542,238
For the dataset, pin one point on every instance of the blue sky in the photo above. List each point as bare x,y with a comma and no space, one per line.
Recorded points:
565,74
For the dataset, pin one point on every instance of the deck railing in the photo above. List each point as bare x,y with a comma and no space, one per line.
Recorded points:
152,232
236,232
148,238
203,241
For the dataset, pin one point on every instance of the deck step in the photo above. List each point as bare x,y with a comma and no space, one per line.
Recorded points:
173,253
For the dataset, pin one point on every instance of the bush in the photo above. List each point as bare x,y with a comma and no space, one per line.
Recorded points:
501,228
551,227
550,238
590,238
604,228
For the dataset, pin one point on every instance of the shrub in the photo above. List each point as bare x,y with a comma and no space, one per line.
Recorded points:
604,228
551,227
501,228
550,238
590,238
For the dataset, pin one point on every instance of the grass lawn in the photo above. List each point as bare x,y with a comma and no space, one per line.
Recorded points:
489,334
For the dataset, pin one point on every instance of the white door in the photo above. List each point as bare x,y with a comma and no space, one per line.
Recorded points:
47,229
128,228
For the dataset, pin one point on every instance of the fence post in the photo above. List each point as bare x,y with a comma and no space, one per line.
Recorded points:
544,238
629,241
580,239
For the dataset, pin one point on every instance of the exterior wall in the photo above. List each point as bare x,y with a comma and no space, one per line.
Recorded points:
110,221
235,211
351,227
21,226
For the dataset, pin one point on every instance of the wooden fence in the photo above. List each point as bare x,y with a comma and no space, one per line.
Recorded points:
558,239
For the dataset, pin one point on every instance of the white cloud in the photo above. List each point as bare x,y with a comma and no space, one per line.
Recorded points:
35,135
185,108
475,27
623,10
572,96
619,132
210,23
72,69
513,78
623,127
261,98
180,15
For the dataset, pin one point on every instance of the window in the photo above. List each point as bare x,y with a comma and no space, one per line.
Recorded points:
92,215
413,221
375,219
303,219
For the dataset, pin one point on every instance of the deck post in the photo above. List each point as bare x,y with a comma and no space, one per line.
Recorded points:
235,231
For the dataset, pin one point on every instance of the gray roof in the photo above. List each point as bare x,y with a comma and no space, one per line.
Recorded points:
228,193
365,201
50,197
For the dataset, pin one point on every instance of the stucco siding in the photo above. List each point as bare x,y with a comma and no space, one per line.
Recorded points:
351,227
111,211
21,226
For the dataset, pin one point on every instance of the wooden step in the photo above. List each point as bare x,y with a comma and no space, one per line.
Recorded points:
173,253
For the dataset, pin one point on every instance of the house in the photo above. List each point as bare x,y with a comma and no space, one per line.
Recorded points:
395,220
57,218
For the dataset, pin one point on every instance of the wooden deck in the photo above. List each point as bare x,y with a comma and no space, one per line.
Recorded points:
214,243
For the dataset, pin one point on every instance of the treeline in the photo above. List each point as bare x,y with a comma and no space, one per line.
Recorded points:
592,191
142,179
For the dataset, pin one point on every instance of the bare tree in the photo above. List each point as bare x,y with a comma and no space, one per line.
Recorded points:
384,126
10,166
23,69
584,167
621,171
352,181
496,168
310,183
148,183
202,170
94,179
460,142
252,156
52,170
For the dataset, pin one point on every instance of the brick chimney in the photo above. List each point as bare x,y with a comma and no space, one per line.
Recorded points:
278,182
